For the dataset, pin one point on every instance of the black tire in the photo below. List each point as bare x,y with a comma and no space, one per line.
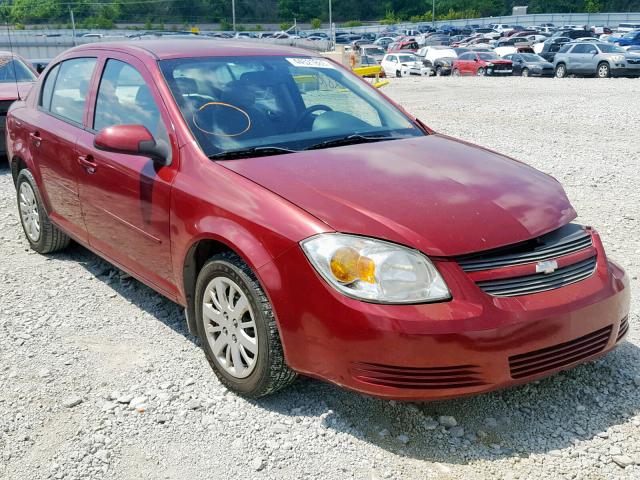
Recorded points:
398,74
51,238
455,72
480,72
561,70
603,70
525,72
438,71
271,373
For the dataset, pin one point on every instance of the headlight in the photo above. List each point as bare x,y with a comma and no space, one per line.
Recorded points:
617,58
489,64
374,270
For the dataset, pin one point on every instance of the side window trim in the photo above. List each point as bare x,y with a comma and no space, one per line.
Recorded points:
56,67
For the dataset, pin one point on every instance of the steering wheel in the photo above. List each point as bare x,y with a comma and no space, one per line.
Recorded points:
304,116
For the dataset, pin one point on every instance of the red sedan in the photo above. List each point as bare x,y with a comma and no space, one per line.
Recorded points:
307,224
481,63
16,79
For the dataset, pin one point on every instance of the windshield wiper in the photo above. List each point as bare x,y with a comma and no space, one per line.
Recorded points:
250,152
352,140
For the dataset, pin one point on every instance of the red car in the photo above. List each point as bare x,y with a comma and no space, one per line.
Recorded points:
481,63
403,46
307,224
16,79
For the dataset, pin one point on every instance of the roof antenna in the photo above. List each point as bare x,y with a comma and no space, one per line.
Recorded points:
12,60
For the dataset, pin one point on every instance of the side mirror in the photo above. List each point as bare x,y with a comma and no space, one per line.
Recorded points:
133,140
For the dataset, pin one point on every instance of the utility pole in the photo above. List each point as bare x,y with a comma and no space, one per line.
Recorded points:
73,26
433,13
331,27
233,14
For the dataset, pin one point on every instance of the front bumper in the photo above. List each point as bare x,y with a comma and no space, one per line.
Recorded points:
472,344
625,69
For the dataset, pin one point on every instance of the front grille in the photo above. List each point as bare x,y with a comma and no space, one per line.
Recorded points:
624,328
540,282
460,376
558,356
634,61
568,239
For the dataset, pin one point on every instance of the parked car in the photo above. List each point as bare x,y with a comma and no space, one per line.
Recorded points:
373,51
573,33
595,59
384,42
264,211
401,64
481,63
403,45
626,40
16,78
438,59
530,65
549,48
628,27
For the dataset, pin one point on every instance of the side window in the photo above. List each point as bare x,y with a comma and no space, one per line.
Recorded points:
71,87
47,87
580,49
125,99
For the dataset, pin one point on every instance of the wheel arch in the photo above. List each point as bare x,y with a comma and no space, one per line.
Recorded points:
17,163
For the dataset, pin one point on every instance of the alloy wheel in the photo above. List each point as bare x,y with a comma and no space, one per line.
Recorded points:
561,71
480,72
603,70
525,72
230,327
29,211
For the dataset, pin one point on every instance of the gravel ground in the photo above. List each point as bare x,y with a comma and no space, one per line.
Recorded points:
100,379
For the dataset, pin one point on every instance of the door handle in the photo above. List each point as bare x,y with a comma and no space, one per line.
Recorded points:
86,162
35,138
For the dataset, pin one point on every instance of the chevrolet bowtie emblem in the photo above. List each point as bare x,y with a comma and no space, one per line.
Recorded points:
548,266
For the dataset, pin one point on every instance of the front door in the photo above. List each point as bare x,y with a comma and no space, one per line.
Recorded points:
126,199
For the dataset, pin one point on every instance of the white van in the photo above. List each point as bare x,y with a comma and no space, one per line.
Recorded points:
628,27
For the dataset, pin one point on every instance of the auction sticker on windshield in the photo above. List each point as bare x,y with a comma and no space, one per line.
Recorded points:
310,62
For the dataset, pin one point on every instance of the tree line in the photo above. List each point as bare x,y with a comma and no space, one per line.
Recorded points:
109,13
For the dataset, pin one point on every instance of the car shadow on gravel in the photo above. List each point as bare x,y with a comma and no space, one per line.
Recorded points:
540,417
137,293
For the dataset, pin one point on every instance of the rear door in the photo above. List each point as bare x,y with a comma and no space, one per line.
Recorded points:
54,129
126,199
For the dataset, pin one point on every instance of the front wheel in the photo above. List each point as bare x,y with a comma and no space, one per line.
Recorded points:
456,72
603,70
238,330
398,74
561,70
480,72
43,236
525,72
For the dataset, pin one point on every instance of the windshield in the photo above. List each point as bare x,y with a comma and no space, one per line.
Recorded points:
531,57
630,35
488,56
406,58
13,70
233,103
606,48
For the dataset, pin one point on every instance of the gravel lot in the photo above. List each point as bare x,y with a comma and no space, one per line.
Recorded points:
100,379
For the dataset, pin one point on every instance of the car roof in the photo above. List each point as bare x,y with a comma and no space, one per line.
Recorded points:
163,49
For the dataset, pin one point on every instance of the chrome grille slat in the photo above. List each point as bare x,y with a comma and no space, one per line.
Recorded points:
540,282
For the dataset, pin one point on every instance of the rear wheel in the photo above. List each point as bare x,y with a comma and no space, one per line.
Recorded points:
603,70
43,236
525,72
480,72
438,71
238,330
561,70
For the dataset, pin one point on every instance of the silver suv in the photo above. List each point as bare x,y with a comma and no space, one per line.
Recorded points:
595,58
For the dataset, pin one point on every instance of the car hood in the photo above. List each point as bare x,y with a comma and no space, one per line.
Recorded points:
434,193
9,91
